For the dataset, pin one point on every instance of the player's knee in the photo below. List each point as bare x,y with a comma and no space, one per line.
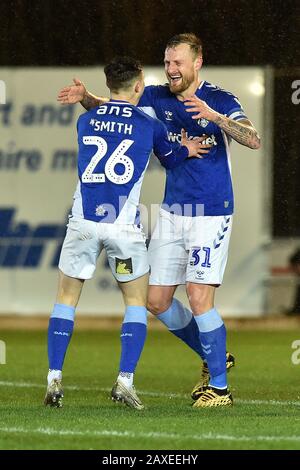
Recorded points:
199,301
157,306
160,298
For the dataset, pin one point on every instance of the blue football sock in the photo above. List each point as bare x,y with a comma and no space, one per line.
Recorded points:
180,321
133,335
212,333
60,330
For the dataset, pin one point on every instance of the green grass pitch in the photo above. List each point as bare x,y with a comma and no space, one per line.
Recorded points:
265,386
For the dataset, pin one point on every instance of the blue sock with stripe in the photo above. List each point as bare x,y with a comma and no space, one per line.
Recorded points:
133,336
180,321
60,331
212,334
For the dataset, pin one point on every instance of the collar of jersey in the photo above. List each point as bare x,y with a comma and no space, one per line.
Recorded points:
201,85
118,102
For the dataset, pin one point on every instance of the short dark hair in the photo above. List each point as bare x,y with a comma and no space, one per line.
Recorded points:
121,71
191,39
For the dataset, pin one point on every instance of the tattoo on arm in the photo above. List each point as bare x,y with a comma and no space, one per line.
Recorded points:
242,133
91,101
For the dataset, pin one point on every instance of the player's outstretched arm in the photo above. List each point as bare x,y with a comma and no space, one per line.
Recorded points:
77,93
242,131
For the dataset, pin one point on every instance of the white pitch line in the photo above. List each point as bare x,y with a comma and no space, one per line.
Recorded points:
90,389
150,435
147,393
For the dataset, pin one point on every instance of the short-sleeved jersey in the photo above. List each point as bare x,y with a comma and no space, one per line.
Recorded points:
115,142
204,185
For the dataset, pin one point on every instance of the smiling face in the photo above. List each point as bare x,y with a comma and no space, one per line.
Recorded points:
182,67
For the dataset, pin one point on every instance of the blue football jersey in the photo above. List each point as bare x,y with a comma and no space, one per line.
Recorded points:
115,143
204,185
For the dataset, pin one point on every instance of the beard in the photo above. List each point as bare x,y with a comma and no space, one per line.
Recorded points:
182,84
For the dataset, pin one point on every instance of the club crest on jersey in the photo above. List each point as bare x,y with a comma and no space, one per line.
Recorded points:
169,115
202,122
124,266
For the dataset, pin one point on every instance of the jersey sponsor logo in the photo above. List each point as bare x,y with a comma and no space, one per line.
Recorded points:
124,266
169,115
210,140
116,110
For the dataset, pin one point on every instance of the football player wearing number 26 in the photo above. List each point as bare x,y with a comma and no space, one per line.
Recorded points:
115,142
191,239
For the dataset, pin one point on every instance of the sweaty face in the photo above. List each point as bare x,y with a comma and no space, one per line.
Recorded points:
181,67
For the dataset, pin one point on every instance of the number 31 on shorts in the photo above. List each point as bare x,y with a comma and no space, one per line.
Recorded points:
198,254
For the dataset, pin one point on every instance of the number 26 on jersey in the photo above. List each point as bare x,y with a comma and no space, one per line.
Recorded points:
118,156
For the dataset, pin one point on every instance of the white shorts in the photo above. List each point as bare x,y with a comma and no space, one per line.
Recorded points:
124,244
189,249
